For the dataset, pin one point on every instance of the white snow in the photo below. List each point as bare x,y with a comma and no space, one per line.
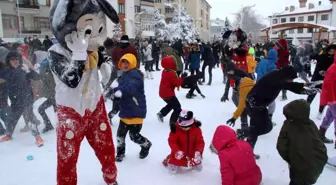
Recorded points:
326,7
17,170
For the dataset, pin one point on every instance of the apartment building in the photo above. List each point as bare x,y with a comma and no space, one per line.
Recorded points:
216,28
321,14
34,18
199,10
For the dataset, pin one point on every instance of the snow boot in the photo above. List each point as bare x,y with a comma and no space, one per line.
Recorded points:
202,95
284,98
322,132
160,117
120,158
189,96
145,150
47,128
256,156
193,95
243,132
39,141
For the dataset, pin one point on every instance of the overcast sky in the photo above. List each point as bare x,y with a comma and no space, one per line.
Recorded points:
222,8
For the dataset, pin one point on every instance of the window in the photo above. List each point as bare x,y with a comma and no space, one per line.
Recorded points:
292,19
9,21
169,10
301,19
137,9
44,23
324,17
158,1
311,18
275,21
283,20
121,8
300,30
291,31
310,30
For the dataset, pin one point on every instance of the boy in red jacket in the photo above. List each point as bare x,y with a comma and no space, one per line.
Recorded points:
170,81
186,143
237,163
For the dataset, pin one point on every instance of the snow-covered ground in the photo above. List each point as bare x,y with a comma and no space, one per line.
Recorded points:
17,170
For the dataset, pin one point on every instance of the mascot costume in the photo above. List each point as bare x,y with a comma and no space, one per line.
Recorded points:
236,40
80,28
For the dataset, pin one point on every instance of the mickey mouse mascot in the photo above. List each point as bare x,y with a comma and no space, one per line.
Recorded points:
237,41
80,28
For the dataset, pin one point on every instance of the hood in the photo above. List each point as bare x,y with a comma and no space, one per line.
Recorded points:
168,63
272,55
251,51
224,137
247,82
297,110
131,59
124,45
288,73
282,44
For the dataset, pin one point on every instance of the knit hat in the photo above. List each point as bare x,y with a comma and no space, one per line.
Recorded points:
186,119
13,54
3,53
124,39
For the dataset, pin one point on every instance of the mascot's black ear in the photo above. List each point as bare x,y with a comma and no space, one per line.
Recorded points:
227,34
109,11
61,12
241,35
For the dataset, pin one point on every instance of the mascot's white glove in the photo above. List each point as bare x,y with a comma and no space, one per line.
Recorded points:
105,70
179,155
115,84
78,43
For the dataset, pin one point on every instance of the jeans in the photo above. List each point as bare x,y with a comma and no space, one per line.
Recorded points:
172,104
46,104
209,71
148,65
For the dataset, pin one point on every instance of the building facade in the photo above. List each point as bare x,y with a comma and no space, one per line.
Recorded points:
216,29
199,10
321,14
34,18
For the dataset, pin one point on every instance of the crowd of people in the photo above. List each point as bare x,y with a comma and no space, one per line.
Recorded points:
257,74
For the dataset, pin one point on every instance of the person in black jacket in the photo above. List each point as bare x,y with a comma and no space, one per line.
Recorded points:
3,90
264,93
227,54
209,61
47,43
191,82
20,91
216,50
155,55
324,61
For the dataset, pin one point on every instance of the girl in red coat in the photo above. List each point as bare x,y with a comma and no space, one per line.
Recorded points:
283,59
170,81
186,144
237,163
328,97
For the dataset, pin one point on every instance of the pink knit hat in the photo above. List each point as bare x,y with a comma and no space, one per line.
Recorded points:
186,118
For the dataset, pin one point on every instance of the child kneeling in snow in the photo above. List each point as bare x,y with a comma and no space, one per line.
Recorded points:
237,162
186,143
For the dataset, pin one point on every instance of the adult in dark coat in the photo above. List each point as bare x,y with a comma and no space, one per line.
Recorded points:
47,43
216,50
300,146
155,55
265,91
123,48
209,61
3,90
178,46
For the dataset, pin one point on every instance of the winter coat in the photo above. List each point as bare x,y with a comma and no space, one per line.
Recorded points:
169,78
167,50
234,80
178,61
208,56
328,95
195,58
131,85
3,87
299,144
237,162
155,51
246,84
251,64
299,60
47,80
283,53
147,53
47,43
216,50
267,65
178,46
239,57
259,55
188,142
121,50
268,88
324,61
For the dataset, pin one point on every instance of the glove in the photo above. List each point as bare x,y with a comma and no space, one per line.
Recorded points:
224,98
185,74
231,122
78,43
311,91
179,155
213,149
197,158
313,84
322,73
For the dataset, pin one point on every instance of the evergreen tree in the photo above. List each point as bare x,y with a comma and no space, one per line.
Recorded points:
160,26
117,31
227,26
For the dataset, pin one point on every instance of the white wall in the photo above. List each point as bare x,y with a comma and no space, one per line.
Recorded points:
129,14
109,24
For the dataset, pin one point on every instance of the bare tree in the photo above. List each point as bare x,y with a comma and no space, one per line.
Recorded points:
248,20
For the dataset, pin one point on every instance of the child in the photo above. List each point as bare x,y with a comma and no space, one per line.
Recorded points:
300,146
267,65
133,108
190,82
251,62
237,163
186,143
170,81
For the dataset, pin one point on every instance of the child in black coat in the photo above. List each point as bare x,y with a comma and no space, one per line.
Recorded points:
191,82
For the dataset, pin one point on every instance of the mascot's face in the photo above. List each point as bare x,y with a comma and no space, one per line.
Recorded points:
93,25
233,41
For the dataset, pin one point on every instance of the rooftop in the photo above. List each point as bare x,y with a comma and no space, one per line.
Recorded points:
317,8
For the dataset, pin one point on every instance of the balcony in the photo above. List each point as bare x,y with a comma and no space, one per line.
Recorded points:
28,30
28,6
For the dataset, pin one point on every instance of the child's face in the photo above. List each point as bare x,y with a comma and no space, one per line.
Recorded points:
14,62
124,65
185,128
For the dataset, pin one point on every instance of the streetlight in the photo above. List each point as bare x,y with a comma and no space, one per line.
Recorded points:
242,14
271,22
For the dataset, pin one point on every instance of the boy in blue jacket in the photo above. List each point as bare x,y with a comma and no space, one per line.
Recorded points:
267,65
129,87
